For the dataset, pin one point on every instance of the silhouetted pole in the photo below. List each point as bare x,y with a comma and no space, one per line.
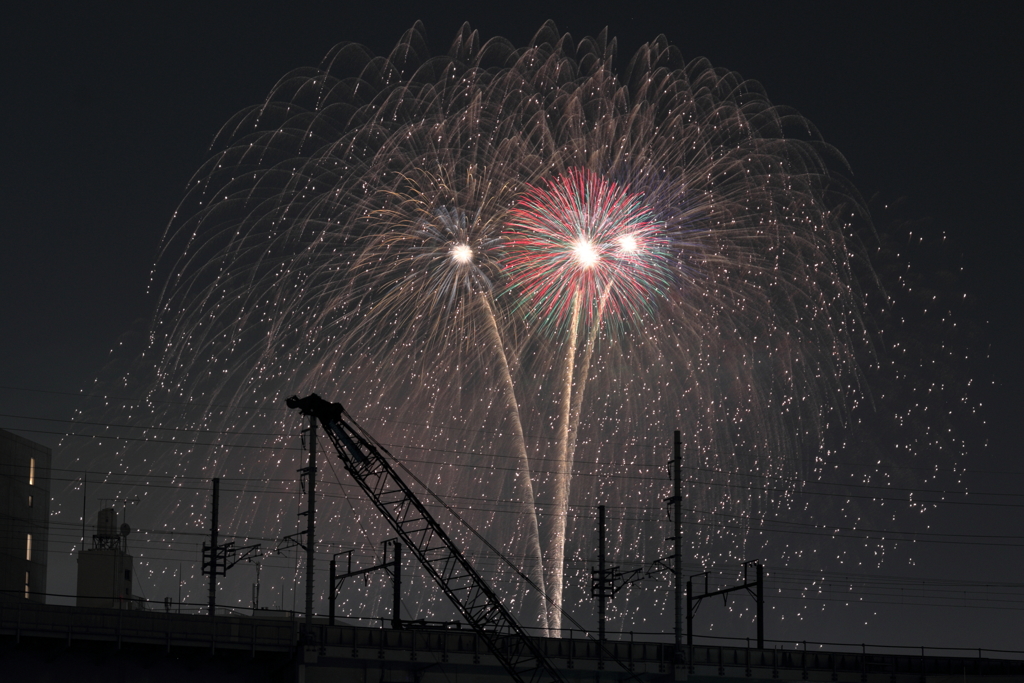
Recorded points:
689,613
85,494
396,617
678,539
310,511
213,545
760,607
333,591
600,572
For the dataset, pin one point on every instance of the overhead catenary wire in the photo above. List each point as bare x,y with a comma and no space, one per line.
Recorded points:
739,474
816,592
823,528
754,475
272,409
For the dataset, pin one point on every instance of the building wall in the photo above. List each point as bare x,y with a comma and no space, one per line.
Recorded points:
24,511
105,578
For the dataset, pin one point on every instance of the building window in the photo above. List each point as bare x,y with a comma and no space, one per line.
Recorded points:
26,586
31,471
28,548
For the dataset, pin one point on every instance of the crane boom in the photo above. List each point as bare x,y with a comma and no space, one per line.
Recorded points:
364,459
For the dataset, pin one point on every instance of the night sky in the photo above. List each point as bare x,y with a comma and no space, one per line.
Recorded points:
108,113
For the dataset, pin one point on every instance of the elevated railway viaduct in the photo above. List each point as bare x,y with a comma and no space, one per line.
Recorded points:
61,644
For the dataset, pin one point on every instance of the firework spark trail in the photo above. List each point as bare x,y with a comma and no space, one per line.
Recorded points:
406,233
562,477
581,383
575,388
535,564
570,243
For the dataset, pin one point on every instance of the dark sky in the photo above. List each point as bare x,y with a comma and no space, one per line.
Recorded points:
107,112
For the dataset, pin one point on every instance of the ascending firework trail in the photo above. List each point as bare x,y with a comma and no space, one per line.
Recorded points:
569,247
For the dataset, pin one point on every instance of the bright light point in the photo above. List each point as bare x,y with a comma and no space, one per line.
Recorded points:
585,253
627,243
462,253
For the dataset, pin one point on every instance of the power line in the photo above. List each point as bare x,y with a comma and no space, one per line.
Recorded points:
133,401
144,427
264,408
787,491
516,505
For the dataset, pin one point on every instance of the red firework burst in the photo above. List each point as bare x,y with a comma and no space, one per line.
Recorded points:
580,238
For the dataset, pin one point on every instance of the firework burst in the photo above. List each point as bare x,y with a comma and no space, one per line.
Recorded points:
523,268
583,237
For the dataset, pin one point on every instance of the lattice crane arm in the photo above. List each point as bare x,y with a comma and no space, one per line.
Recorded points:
365,460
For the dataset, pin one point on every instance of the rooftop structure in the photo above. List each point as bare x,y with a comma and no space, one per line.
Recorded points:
105,571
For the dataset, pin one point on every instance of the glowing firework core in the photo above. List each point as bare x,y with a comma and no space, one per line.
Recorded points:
586,254
462,253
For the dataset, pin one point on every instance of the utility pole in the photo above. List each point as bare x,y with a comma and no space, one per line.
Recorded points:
218,558
675,512
85,497
310,512
295,539
677,503
602,576
332,595
213,545
396,599
759,597
606,581
256,590
689,612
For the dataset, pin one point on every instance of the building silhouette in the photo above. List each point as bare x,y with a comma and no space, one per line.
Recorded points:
24,517
105,570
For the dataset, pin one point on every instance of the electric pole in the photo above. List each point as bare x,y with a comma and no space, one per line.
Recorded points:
602,575
606,581
295,539
677,503
310,512
760,605
218,558
213,545
396,601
